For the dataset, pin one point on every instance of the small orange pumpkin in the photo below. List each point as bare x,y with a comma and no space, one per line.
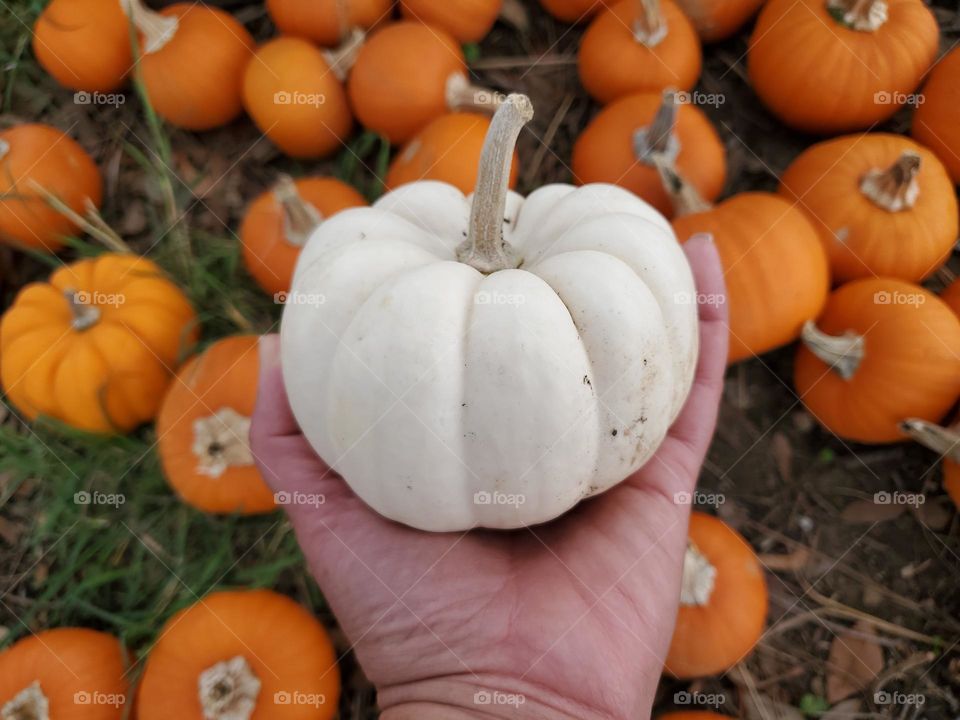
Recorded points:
627,138
951,296
723,601
574,11
321,21
639,46
84,44
467,20
295,96
448,149
883,350
944,442
39,155
64,673
279,221
718,19
406,75
833,66
882,204
253,652
203,430
192,62
936,123
775,268
96,346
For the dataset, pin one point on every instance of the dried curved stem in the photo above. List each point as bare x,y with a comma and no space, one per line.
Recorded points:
157,29
684,196
461,94
895,188
943,441
862,15
649,25
658,139
300,218
84,314
28,704
342,58
843,353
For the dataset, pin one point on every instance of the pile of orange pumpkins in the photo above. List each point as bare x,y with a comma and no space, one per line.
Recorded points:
833,258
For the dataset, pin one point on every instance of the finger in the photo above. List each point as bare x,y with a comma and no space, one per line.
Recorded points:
272,413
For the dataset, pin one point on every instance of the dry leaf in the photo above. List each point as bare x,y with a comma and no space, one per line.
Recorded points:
797,560
843,710
867,511
854,663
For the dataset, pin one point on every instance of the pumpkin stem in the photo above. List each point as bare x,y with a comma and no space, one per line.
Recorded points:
945,441
28,704
843,353
649,25
513,12
300,218
221,441
4,149
461,95
895,188
658,139
699,577
229,690
862,15
485,247
343,57
85,315
684,196
157,29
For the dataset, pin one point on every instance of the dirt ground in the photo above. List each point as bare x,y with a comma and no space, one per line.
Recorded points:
801,496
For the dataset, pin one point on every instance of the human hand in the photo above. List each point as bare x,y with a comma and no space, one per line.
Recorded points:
572,618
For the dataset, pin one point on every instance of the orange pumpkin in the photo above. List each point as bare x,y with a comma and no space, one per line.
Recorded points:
294,96
320,20
278,223
574,11
832,66
406,75
944,442
718,19
254,652
883,350
723,601
39,155
951,296
936,123
64,673
203,430
95,347
448,149
192,63
882,204
775,268
639,46
624,142
467,20
84,44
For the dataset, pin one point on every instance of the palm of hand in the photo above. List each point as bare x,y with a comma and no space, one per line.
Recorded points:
577,614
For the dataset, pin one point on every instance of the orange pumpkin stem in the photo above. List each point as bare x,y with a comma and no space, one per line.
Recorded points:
658,140
699,577
895,188
229,690
300,218
684,196
862,15
485,247
84,315
222,441
344,56
944,441
843,353
649,26
28,704
462,95
157,29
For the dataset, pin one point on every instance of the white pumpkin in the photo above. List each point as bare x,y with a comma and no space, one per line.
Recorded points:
489,361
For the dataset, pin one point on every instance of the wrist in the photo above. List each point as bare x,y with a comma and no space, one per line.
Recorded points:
480,697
